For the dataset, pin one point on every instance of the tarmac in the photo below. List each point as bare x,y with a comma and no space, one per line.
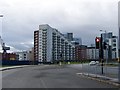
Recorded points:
101,78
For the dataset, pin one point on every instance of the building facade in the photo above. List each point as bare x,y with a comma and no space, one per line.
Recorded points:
9,56
69,36
112,45
92,53
80,52
22,56
31,54
50,45
78,40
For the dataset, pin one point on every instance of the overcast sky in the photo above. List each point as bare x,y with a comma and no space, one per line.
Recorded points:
82,17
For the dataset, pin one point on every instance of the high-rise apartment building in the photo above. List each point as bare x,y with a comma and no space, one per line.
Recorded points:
50,45
69,36
113,48
75,41
78,40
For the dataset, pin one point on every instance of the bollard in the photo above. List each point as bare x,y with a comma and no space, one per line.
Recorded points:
68,62
60,63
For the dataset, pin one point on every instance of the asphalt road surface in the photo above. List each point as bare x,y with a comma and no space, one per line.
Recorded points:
48,76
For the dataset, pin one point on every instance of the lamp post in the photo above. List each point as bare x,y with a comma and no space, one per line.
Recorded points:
1,50
1,31
1,24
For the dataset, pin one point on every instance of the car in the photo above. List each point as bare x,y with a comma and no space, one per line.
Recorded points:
92,63
97,63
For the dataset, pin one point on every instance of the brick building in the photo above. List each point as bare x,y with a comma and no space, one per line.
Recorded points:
9,56
80,52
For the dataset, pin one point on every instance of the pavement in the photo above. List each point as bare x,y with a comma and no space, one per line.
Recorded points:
88,71
48,76
13,67
113,81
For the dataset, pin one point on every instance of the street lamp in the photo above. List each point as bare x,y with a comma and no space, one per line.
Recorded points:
1,31
1,50
1,24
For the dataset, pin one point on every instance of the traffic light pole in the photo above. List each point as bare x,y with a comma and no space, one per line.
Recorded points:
99,45
101,53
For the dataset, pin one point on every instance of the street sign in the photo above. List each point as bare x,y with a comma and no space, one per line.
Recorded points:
6,48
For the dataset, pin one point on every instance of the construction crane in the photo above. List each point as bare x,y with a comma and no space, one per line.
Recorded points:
4,48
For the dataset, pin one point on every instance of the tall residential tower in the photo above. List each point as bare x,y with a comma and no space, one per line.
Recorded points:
50,45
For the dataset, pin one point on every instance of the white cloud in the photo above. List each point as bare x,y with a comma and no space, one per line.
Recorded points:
82,17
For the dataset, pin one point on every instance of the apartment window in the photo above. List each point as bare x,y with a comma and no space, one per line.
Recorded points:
114,40
44,29
24,54
114,45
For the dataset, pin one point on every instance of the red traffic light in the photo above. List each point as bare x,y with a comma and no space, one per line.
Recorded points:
97,42
97,39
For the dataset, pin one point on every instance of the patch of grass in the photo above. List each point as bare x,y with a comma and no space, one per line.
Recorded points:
75,62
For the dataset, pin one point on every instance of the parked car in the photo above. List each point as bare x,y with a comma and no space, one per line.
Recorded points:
94,63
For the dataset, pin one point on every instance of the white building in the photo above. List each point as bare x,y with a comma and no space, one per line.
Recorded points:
112,44
22,56
115,46
50,45
92,53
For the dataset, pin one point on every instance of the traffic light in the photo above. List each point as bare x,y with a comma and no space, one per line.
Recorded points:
104,45
97,41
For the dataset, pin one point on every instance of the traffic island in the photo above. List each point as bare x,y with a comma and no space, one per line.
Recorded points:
101,78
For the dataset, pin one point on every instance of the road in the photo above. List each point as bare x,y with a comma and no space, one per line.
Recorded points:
48,76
